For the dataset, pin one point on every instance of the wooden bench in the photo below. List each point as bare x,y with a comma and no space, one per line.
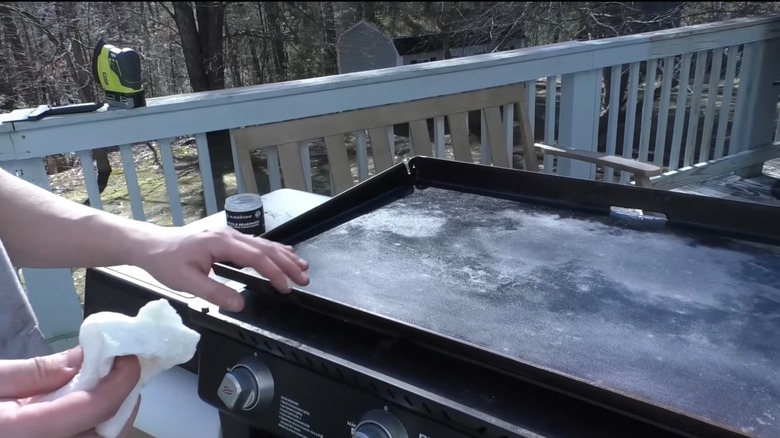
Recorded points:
643,172
495,104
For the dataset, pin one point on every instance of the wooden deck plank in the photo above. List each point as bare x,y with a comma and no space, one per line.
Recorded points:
732,187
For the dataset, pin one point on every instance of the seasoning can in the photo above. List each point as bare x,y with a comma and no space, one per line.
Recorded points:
244,212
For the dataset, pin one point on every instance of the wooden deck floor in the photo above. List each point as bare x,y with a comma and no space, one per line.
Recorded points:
757,189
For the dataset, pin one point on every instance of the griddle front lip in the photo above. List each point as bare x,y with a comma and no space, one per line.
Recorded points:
721,218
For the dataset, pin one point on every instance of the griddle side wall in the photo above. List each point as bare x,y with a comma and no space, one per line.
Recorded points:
384,188
724,218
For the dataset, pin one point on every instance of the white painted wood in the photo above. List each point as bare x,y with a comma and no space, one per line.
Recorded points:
637,167
702,171
362,155
209,194
709,112
241,186
377,120
291,165
341,177
679,117
647,110
580,102
7,152
51,292
484,141
499,152
525,131
663,111
629,127
725,103
531,102
693,115
90,179
439,137
748,74
461,149
550,137
306,163
131,178
274,174
612,117
171,181
670,43
391,141
509,130
777,129
269,103
755,125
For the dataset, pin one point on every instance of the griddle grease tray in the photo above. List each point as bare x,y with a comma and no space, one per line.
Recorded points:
673,320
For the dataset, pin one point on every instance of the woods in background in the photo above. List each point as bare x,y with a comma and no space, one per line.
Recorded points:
197,46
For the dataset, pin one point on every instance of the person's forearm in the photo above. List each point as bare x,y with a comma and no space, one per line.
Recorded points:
42,230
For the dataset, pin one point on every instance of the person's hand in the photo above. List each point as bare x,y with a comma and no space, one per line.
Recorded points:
73,415
182,260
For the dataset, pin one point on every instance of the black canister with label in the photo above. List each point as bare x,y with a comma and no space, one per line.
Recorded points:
244,212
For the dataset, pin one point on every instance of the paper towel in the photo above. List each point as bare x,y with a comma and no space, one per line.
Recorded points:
156,335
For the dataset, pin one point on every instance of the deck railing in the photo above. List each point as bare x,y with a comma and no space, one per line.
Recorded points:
695,96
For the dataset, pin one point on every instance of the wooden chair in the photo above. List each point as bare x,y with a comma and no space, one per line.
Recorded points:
379,122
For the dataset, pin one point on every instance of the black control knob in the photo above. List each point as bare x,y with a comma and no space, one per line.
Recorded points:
247,385
379,424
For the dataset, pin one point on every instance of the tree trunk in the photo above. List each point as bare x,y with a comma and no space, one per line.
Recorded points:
203,55
21,78
190,44
211,25
77,61
272,15
369,11
232,53
330,59
150,73
256,67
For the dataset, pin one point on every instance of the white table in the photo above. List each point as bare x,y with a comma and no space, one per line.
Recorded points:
170,406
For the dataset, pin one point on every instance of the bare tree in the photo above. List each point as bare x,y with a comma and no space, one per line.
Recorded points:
201,31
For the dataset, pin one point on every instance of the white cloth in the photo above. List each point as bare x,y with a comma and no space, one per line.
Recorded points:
156,335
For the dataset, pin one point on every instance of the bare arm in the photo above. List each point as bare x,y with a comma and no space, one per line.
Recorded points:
42,230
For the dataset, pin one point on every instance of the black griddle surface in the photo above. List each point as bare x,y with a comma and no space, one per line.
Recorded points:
676,319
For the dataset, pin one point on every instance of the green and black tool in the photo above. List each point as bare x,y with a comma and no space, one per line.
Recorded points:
119,73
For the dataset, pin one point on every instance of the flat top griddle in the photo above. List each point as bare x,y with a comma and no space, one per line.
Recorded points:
679,314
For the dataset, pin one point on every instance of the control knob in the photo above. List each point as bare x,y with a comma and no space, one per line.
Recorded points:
247,385
379,424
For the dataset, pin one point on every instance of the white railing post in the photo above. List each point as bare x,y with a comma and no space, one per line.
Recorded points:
51,292
579,119
756,109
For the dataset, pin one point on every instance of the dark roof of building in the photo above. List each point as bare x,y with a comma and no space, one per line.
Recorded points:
410,45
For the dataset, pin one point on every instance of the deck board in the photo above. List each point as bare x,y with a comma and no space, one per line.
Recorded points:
732,187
